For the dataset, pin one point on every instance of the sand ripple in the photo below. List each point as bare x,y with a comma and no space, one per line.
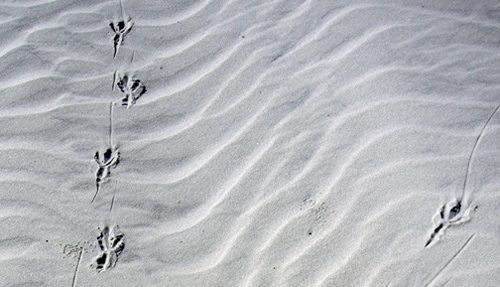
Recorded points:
280,143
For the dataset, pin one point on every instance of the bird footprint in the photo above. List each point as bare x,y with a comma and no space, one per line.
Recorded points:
111,242
121,29
132,88
452,213
109,159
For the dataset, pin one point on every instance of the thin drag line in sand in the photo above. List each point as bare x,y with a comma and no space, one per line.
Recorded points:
111,124
122,10
474,151
93,198
446,282
113,199
114,81
452,258
112,203
73,284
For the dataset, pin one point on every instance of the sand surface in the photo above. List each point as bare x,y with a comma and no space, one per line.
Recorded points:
249,143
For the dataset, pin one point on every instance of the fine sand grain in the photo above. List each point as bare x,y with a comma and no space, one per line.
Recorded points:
249,143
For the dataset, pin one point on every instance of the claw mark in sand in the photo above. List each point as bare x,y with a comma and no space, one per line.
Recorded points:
121,29
132,88
111,242
458,210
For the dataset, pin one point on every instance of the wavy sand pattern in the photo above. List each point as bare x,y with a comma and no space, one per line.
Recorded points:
280,143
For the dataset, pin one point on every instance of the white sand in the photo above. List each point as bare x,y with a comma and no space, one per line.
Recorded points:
278,143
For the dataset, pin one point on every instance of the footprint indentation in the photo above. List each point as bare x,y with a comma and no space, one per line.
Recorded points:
452,213
132,88
105,161
111,242
121,29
